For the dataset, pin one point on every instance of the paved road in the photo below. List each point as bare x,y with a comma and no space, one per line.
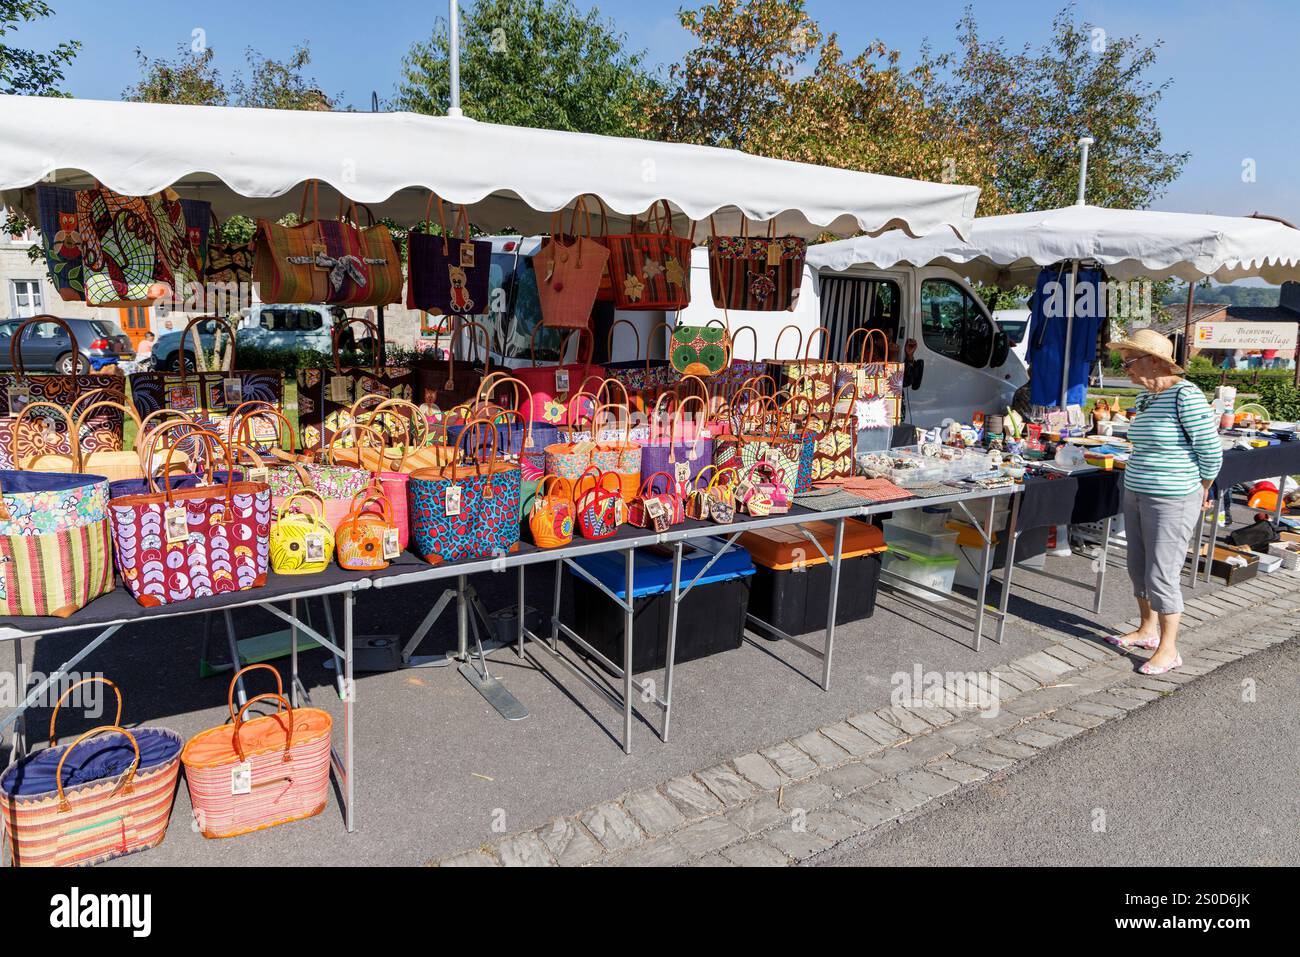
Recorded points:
1200,778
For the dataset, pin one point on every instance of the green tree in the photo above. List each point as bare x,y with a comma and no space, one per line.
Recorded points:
31,72
536,63
1037,101
279,84
766,79
190,78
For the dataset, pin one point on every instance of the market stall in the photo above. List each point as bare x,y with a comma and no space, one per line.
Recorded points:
224,504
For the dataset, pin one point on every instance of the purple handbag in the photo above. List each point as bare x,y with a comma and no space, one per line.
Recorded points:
448,275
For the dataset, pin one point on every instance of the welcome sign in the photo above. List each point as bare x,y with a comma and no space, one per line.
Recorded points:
1246,335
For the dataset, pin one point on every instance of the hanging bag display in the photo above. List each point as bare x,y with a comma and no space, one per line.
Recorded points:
136,248
107,794
464,511
701,350
326,396
228,265
364,268
550,519
291,264
56,210
755,273
55,543
181,544
367,539
449,274
568,269
250,774
301,541
650,268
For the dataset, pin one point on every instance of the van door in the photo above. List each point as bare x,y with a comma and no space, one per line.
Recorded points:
965,354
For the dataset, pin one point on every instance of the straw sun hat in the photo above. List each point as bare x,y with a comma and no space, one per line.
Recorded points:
1148,342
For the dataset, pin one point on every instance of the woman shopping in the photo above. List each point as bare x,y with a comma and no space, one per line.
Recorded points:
1176,456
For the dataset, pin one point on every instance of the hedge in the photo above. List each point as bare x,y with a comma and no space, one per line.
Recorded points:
1275,388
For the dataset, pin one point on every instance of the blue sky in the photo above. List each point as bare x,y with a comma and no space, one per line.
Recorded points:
1233,63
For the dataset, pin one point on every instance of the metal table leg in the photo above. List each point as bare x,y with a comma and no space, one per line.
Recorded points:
672,639
1214,536
830,614
293,653
629,622
1281,499
1101,566
349,792
986,561
555,604
1013,536
519,622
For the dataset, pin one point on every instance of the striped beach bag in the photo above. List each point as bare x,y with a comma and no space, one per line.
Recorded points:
255,773
55,543
107,794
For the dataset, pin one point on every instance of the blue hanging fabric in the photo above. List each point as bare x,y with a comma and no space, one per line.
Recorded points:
1047,325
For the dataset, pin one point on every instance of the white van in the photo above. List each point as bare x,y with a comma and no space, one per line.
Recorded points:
965,362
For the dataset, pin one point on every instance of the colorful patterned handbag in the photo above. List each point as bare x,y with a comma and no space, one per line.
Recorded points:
446,383
813,378
326,396
368,449
136,248
837,439
701,350
715,501
762,492
210,395
466,511
796,423
651,268
658,511
114,798
101,431
367,538
550,519
56,210
753,273
247,775
568,269
228,265
600,509
290,263
551,387
55,552
178,545
644,379
367,258
449,275
675,453
302,543
878,381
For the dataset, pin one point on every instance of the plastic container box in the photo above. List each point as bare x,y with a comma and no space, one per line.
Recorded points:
943,542
928,518
933,571
710,619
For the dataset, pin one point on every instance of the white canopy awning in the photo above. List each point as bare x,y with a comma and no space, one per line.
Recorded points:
1010,250
251,161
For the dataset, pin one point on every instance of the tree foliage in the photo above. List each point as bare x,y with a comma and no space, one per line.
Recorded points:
190,78
31,72
536,63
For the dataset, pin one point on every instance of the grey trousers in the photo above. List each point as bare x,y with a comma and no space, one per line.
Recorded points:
1159,529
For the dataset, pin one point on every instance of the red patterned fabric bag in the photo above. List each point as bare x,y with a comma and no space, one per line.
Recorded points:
136,248
651,268
757,273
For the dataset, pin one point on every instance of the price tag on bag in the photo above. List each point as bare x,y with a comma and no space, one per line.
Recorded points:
232,390
451,506
259,474
19,396
176,524
340,388
241,778
315,542
561,380
654,508
392,546
467,255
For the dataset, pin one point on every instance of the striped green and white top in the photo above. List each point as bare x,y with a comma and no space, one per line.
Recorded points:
1175,442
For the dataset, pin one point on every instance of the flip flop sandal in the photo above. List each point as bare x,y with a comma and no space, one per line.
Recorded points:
1146,644
1147,668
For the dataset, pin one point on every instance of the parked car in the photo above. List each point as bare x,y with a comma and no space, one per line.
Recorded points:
47,348
303,327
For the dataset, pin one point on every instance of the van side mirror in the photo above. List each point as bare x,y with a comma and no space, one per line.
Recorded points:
1001,349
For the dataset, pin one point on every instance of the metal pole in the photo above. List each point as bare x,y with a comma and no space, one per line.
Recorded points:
453,55
1069,332
1185,352
1084,143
